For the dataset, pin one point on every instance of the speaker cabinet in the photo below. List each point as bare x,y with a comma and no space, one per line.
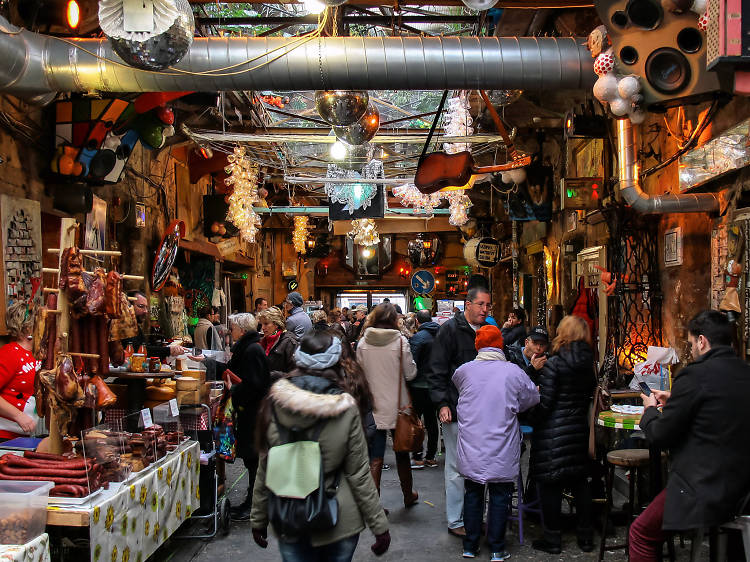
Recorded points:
666,49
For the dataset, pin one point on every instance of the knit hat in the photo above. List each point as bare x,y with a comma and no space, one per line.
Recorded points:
489,336
295,299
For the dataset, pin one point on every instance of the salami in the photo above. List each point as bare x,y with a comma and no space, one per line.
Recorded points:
112,301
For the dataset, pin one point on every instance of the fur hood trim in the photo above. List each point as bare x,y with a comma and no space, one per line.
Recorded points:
299,401
381,336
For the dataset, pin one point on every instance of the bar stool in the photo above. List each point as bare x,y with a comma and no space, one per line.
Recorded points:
634,460
522,506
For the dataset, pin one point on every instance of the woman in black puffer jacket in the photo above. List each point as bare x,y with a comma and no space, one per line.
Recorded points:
559,446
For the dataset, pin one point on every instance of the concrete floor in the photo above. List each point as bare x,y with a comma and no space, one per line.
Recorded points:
418,534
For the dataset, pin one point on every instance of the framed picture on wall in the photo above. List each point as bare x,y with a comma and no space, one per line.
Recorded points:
673,247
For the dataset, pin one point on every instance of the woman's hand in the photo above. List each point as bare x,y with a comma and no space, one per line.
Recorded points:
27,423
196,358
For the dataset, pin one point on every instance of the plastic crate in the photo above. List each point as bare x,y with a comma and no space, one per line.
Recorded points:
23,514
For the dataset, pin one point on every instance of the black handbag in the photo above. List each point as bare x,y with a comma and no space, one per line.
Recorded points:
319,511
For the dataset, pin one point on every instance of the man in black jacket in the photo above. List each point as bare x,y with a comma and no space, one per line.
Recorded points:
513,329
531,356
454,346
421,346
704,424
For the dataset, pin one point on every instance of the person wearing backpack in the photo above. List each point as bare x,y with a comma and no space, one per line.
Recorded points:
311,407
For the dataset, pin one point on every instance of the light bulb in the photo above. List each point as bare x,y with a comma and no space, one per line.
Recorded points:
314,6
367,253
338,150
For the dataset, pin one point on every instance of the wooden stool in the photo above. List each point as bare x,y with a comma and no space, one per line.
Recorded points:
632,459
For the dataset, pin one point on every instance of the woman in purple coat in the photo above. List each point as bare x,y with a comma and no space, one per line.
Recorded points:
491,394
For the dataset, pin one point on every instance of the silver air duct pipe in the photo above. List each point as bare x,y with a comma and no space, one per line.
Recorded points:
35,64
658,204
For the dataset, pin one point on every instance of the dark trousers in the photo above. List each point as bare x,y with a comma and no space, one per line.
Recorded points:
646,535
424,408
497,514
251,464
303,551
551,496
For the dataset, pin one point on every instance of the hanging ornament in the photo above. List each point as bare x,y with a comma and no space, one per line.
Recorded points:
504,98
479,5
410,196
459,205
364,232
341,107
243,178
299,236
458,122
160,43
598,41
361,131
604,63
354,195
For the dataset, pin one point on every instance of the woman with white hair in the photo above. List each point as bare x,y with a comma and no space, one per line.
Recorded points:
250,364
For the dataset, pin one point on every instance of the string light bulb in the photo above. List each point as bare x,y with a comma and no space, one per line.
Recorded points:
299,236
73,14
364,232
243,178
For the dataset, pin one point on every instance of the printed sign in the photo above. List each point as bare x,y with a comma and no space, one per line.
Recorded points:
488,252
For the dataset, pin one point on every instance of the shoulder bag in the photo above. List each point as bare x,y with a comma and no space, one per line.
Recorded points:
409,434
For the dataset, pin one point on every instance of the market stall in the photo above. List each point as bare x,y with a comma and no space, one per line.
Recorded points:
36,550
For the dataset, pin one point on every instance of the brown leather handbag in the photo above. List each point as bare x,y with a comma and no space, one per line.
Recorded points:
409,433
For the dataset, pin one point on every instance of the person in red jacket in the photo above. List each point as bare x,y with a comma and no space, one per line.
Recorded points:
17,370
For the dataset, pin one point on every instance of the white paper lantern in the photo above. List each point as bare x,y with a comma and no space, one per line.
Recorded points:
605,88
619,107
699,7
628,86
637,117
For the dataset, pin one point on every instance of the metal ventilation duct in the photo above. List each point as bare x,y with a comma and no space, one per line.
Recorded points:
35,64
657,204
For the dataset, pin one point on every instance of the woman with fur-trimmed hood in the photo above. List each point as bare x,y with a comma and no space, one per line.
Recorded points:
317,391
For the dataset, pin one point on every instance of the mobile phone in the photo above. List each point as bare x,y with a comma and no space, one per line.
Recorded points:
197,351
645,388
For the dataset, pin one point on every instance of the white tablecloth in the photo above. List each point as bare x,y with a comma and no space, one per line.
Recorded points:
36,550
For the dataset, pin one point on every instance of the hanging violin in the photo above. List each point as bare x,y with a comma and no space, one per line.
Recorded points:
439,170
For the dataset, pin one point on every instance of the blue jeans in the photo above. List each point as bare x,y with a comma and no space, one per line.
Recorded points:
497,514
303,551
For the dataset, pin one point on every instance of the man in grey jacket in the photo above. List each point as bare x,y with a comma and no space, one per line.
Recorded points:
297,320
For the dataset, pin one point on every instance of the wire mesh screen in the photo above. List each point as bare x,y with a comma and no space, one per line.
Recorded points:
634,310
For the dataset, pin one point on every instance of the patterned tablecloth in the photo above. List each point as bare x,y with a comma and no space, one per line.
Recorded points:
145,511
608,418
36,550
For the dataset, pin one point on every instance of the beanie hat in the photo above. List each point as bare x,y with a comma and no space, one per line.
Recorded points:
489,336
295,299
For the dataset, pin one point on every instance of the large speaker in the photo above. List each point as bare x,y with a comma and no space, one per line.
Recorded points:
665,48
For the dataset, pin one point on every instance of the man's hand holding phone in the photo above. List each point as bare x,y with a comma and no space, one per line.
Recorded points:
538,361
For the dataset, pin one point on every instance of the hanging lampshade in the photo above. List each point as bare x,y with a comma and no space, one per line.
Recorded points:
339,108
479,5
363,130
154,39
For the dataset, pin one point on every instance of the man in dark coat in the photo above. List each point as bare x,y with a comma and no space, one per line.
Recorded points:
514,329
454,346
705,426
531,356
421,347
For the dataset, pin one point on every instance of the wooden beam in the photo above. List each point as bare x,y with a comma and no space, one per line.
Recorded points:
400,226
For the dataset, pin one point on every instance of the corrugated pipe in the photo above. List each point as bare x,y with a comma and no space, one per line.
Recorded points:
657,204
35,64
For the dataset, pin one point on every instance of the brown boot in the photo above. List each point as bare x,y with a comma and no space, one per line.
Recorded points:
403,465
376,469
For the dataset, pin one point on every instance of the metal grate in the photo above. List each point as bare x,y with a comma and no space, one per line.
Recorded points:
634,310
713,46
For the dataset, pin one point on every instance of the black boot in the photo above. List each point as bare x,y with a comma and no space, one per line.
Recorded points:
586,539
551,543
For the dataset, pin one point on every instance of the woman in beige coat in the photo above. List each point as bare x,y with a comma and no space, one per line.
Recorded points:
385,357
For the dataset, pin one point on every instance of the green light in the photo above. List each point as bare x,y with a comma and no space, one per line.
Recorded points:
419,303
244,275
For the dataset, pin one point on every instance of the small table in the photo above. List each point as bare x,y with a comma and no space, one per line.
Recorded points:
614,420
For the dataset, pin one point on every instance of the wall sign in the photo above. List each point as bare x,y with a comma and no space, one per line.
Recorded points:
293,285
488,252
22,248
673,247
422,282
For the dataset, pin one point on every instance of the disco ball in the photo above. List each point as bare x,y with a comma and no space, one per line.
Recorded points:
479,5
363,130
339,108
334,3
505,97
357,157
161,47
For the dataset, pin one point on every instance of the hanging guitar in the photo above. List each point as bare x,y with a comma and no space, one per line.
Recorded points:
439,170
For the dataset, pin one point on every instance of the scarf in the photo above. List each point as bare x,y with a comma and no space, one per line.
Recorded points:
491,354
319,361
269,341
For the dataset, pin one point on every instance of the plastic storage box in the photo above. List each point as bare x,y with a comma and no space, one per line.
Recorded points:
23,514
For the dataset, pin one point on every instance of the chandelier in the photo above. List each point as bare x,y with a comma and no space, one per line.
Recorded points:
364,232
243,178
299,236
458,202
458,122
355,195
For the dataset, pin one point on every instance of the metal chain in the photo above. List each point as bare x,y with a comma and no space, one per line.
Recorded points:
320,64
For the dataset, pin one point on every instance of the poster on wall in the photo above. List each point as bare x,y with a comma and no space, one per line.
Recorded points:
673,247
22,248
96,228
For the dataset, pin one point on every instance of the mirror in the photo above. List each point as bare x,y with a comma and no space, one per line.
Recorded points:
166,254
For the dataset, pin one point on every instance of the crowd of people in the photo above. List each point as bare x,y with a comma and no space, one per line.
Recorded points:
332,384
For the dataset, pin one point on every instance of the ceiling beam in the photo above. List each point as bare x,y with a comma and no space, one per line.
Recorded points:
330,139
312,19
519,4
396,213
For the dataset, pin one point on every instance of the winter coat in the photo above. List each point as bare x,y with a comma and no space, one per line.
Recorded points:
491,394
453,346
561,427
512,335
421,346
298,322
705,426
206,337
514,354
281,356
378,354
301,402
249,363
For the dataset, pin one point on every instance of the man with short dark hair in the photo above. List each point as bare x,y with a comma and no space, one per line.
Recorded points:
360,313
513,329
142,313
705,425
421,347
260,305
454,346
205,335
532,356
